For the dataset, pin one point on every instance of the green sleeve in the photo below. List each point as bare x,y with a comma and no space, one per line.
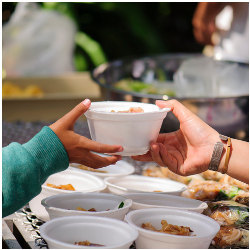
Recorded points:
26,167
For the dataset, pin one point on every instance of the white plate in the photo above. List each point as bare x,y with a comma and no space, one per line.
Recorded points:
138,183
121,168
149,200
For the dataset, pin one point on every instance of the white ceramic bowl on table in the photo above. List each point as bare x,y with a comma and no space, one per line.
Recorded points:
149,200
138,183
204,228
82,182
121,168
134,131
106,205
63,232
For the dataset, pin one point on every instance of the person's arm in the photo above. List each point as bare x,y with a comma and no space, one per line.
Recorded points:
189,150
204,20
238,166
26,167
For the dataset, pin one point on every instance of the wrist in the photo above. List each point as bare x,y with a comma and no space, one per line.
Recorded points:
221,154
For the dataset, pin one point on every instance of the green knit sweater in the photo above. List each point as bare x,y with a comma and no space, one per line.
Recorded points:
26,167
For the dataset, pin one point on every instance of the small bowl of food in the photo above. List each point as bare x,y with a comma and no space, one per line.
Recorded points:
149,200
143,184
92,204
162,228
87,232
62,183
121,168
132,125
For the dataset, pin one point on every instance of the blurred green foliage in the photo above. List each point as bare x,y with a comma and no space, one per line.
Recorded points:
112,30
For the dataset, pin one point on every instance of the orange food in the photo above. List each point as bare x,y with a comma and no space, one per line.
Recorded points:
168,228
64,187
82,209
131,110
87,243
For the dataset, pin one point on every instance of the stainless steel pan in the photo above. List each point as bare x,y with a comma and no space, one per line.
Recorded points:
228,115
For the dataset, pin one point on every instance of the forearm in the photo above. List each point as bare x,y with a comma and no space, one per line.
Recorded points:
238,166
26,167
209,9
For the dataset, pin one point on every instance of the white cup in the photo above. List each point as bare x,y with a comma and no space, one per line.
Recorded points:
133,131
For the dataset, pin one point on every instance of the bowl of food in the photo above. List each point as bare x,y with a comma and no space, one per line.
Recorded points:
121,168
149,200
161,228
92,204
87,232
132,125
62,183
144,184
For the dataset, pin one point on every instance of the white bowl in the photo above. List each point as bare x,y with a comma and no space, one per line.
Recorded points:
204,228
82,182
121,168
66,204
134,131
63,232
149,200
138,183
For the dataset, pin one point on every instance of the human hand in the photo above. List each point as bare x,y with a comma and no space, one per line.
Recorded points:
204,21
186,151
79,147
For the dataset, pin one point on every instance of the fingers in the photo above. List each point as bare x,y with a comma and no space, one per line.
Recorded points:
155,153
162,157
70,118
179,110
168,159
145,157
99,147
97,161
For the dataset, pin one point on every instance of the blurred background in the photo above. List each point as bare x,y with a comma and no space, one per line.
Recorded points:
57,54
117,30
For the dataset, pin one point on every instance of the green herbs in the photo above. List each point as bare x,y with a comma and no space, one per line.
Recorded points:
228,194
145,88
121,205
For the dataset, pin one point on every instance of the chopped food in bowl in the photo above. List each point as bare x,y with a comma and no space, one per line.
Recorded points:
82,182
94,204
134,128
64,232
203,228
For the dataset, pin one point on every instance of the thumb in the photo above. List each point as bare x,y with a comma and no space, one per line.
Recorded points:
180,111
70,118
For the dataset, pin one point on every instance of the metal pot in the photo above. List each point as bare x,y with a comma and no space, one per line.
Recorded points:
228,115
